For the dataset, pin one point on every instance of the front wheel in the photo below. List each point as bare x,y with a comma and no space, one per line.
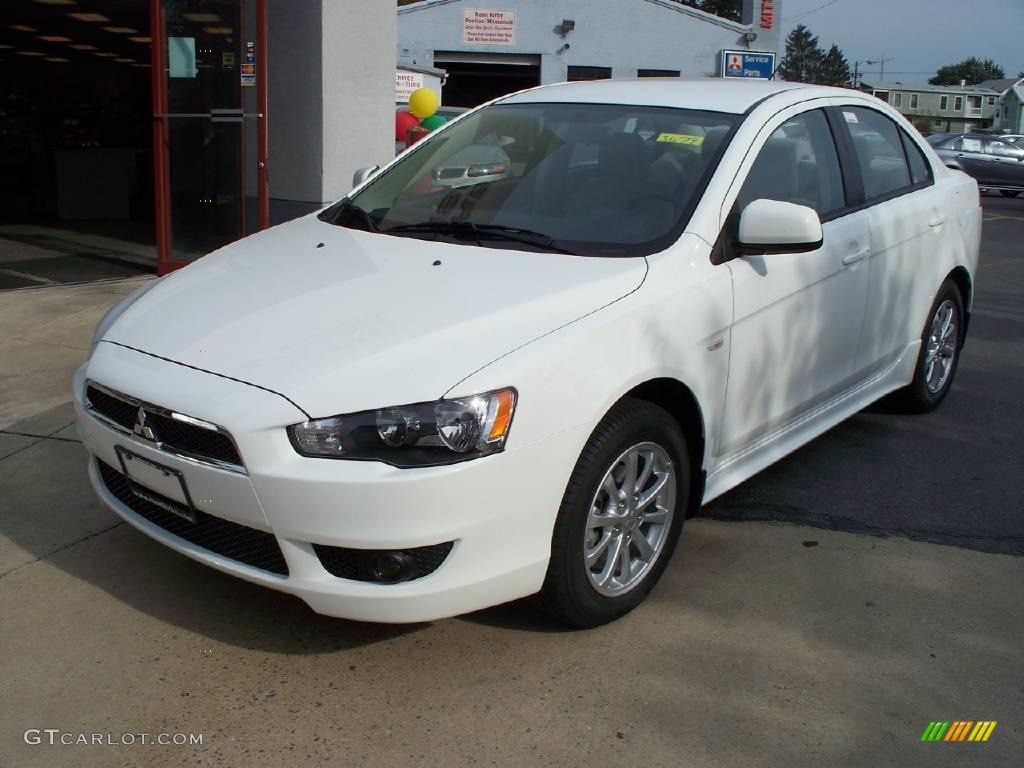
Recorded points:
940,352
620,517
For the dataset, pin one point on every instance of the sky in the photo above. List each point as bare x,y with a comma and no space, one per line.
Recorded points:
918,35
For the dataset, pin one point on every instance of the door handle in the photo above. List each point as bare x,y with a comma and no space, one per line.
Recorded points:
937,220
959,154
853,258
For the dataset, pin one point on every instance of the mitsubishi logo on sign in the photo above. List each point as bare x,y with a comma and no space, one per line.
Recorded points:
142,427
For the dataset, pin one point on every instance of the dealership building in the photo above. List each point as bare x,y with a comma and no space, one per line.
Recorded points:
164,129
492,47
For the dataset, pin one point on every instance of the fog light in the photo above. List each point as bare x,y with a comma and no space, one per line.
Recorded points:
390,567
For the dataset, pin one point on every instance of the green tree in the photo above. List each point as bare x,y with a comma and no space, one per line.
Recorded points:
973,70
803,56
727,9
834,69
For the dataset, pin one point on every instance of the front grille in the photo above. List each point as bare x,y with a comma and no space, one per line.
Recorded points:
182,436
354,564
114,408
171,434
231,540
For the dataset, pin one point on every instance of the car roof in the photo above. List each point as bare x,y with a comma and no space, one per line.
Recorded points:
699,93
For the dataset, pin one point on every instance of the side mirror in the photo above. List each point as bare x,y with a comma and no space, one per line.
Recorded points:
363,174
771,226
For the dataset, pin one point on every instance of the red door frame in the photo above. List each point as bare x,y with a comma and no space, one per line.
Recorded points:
165,260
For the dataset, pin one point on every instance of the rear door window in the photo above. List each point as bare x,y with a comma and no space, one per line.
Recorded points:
879,150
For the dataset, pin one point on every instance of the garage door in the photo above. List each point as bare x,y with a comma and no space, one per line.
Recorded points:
474,78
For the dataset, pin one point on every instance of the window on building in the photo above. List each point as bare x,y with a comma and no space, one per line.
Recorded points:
589,73
883,95
897,99
958,104
991,101
657,73
943,103
974,106
913,101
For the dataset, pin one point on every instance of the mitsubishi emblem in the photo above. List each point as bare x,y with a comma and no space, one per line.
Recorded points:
142,428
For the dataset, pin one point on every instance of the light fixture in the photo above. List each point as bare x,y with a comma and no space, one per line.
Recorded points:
5,47
88,16
103,55
144,66
750,36
83,47
201,17
30,53
53,38
124,61
57,59
567,26
23,28
122,30
56,2
219,30
140,39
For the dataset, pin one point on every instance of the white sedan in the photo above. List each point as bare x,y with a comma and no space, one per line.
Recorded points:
424,400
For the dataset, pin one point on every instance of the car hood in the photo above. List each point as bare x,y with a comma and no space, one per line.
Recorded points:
339,320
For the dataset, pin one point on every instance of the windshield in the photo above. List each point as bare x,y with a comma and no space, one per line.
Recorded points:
587,179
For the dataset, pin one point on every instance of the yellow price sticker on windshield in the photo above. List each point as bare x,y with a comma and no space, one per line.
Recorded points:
681,138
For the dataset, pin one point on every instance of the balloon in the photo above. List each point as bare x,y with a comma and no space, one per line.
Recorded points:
423,102
403,122
434,122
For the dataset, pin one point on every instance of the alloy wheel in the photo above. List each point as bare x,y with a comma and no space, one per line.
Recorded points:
629,519
942,341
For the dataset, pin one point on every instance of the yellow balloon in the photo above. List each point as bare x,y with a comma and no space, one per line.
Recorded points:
423,103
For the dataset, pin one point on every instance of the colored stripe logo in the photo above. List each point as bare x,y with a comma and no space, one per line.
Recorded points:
959,730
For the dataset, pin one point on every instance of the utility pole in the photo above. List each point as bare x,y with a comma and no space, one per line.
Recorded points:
869,62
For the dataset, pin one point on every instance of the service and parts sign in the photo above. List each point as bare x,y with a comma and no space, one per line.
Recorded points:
405,84
748,64
488,27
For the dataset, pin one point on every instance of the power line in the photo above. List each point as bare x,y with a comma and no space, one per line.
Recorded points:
813,10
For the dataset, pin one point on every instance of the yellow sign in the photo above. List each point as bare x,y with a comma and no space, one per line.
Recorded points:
681,138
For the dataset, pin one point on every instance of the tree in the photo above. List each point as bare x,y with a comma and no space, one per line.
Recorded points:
972,70
803,56
727,9
834,69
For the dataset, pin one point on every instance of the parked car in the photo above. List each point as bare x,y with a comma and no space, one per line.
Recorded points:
995,163
419,402
1014,138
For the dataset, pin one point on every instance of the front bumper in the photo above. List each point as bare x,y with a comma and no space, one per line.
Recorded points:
498,510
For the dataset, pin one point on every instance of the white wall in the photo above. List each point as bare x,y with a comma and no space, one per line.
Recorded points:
331,97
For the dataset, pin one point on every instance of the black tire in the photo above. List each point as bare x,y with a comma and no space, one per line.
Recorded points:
1009,192
568,594
916,397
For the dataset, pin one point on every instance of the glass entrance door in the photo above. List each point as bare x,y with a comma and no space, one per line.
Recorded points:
209,59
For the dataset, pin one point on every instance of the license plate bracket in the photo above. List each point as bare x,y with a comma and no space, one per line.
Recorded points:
157,484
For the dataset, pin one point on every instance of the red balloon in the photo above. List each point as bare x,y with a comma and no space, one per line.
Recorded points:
403,122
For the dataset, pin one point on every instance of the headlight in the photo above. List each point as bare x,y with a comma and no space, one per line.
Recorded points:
420,435
115,312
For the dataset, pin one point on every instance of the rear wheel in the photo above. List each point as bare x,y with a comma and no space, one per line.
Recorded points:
620,517
940,352
1009,192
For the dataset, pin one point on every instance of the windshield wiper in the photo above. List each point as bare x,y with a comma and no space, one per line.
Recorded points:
481,232
354,213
